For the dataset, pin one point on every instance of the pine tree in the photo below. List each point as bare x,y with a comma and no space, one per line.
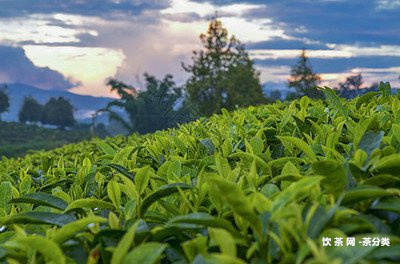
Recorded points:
303,79
222,74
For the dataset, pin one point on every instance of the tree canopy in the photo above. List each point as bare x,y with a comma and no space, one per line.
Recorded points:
153,108
351,87
303,79
58,112
222,74
31,110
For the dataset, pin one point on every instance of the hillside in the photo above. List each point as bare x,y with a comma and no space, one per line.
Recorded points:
84,104
16,138
283,183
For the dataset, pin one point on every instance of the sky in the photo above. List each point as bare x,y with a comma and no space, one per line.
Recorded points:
76,45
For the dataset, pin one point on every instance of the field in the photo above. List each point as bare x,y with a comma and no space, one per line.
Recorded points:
17,139
263,184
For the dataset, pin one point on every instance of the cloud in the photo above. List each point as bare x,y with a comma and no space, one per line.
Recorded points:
39,29
16,67
388,4
335,51
205,9
103,8
277,74
90,65
234,16
125,38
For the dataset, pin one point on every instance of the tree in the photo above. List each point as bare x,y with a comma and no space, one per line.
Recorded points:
351,87
222,74
58,112
31,110
275,95
4,101
303,79
151,109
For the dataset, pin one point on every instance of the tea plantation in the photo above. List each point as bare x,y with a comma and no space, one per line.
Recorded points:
280,183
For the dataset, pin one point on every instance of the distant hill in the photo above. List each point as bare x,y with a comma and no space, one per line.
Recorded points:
84,104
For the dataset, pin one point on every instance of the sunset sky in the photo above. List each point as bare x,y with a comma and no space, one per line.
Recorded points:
76,45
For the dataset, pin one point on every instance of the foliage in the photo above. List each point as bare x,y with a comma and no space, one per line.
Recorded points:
58,112
17,139
4,101
31,111
275,95
150,109
303,79
350,88
222,74
259,185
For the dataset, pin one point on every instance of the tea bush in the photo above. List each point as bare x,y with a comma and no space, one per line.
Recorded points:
259,185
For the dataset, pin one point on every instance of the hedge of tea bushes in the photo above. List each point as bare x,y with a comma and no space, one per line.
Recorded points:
263,184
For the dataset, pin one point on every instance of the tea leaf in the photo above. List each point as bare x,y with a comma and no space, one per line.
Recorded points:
41,199
147,253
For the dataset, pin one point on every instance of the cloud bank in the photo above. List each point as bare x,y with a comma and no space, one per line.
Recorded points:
16,67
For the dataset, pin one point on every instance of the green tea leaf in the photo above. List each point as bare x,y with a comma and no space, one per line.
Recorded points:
300,144
388,204
114,193
69,230
5,195
364,193
41,199
147,253
224,240
107,149
335,100
124,244
335,176
88,203
164,191
388,165
142,179
203,219
365,98
44,218
237,200
122,155
46,247
122,170
385,89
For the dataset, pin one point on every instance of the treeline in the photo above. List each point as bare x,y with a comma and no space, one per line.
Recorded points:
221,75
305,82
57,111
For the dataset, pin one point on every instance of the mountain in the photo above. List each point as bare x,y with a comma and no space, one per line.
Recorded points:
85,105
269,87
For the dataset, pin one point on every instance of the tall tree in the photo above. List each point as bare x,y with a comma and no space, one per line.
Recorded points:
351,87
4,101
58,112
303,78
222,74
151,109
31,110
